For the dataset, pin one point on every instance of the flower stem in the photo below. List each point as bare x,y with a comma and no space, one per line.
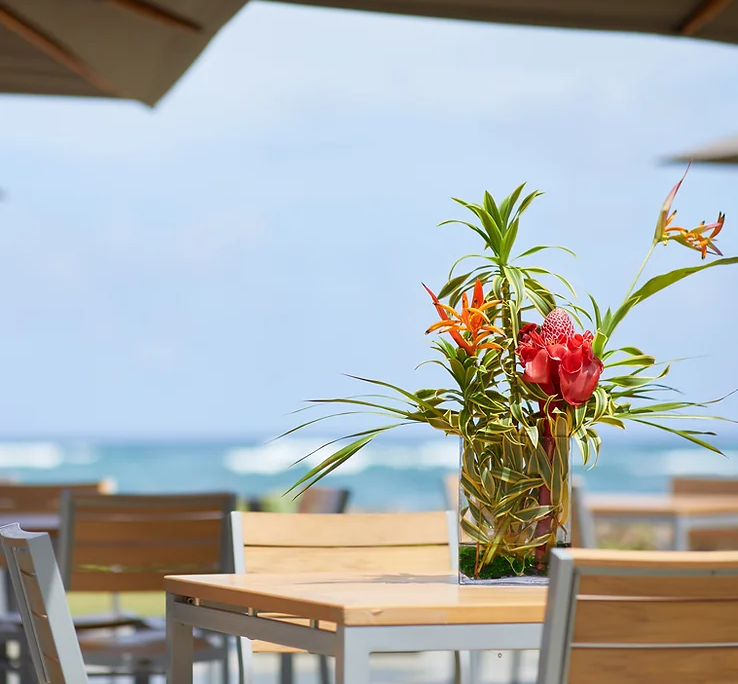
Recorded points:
640,270
543,528
509,361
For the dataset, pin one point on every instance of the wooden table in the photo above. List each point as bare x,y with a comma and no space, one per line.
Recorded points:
684,512
349,616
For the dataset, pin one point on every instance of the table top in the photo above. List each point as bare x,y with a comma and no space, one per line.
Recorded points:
32,522
368,599
666,505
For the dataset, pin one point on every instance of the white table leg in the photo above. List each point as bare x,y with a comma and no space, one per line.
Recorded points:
352,658
180,647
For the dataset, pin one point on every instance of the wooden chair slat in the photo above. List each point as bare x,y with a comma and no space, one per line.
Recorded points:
42,631
194,553
33,593
144,531
723,486
24,560
347,530
41,498
653,560
654,666
410,559
722,539
715,587
661,621
115,582
54,671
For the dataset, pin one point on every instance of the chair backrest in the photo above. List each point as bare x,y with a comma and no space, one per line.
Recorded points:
418,543
451,491
709,539
43,606
582,521
641,617
323,500
122,543
45,498
721,486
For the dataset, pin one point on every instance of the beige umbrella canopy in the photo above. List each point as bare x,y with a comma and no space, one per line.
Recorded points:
721,152
708,19
133,49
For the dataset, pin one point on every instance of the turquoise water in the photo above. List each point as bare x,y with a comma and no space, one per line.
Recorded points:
392,475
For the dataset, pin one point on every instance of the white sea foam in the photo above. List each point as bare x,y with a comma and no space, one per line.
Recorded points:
81,454
277,456
40,455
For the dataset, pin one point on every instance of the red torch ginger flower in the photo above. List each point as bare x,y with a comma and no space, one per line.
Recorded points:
472,320
559,360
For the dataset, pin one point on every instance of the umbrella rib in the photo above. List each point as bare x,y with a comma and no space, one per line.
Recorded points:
703,14
150,11
24,29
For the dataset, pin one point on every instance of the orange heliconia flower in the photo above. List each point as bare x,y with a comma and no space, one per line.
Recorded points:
697,238
472,320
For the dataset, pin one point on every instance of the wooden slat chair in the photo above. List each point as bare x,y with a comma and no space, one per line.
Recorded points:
714,539
583,533
44,501
414,543
641,617
45,498
128,543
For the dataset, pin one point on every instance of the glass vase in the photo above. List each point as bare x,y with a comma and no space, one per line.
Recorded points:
514,506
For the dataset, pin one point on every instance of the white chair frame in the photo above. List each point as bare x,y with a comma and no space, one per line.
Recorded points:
38,550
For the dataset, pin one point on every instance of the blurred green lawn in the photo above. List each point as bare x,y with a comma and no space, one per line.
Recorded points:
147,604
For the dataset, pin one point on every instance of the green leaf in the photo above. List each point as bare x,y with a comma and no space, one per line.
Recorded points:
543,271
527,202
476,229
540,248
491,208
508,240
507,205
596,309
660,282
599,342
640,360
515,278
684,434
657,284
331,463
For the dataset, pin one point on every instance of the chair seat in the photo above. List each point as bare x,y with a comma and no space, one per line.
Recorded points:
10,621
148,644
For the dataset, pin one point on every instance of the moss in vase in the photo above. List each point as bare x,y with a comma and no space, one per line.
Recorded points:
503,566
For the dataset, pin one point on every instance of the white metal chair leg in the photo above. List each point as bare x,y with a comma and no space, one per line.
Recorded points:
325,677
516,666
286,668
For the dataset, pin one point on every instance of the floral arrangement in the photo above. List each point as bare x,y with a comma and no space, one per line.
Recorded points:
524,390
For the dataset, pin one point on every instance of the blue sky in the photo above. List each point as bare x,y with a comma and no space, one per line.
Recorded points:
201,268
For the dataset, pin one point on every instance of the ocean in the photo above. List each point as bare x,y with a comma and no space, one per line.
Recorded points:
388,476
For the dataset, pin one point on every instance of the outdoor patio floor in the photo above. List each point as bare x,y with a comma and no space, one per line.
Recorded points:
411,668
